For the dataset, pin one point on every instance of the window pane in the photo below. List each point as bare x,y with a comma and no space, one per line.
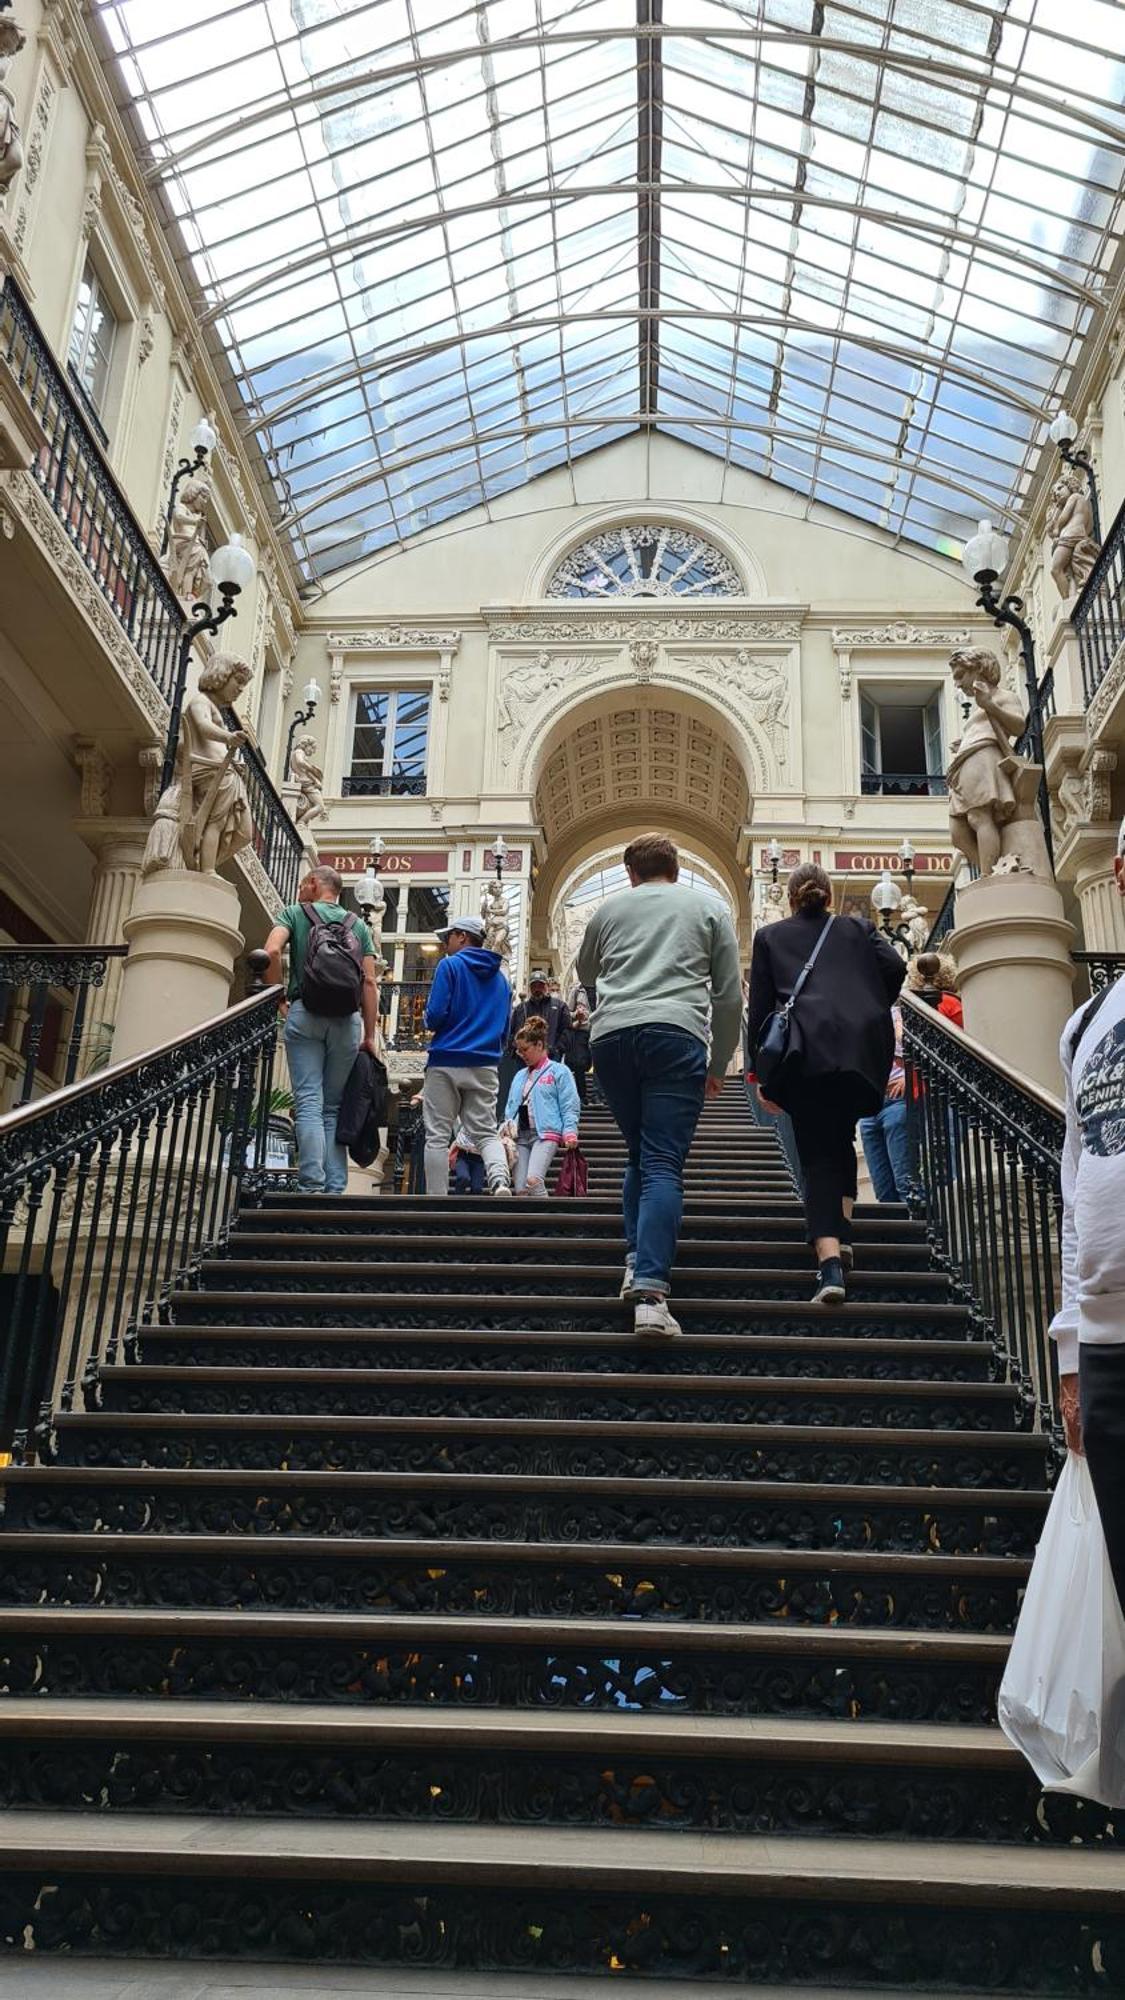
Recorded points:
91,342
412,729
427,909
369,744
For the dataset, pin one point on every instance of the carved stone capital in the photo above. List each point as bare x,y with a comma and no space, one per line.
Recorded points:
97,776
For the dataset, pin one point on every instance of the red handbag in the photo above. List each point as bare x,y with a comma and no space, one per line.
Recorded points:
574,1174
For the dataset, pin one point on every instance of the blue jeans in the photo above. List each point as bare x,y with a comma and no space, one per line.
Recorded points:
653,1079
889,1152
320,1051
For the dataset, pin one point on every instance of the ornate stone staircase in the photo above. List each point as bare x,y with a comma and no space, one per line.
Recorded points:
394,1604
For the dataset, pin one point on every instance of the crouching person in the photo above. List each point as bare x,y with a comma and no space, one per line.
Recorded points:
542,1112
468,1010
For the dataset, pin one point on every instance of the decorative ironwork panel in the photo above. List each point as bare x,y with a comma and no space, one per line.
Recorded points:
646,559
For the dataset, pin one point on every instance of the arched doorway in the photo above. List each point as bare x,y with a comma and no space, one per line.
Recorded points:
601,875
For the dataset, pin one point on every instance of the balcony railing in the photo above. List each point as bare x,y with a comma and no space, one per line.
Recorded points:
277,843
72,472
903,784
384,785
44,994
1102,967
1099,615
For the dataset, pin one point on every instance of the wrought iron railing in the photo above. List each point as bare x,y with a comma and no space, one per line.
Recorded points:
384,785
72,471
111,1191
943,922
989,1150
1102,967
277,842
44,993
903,784
1099,614
408,1000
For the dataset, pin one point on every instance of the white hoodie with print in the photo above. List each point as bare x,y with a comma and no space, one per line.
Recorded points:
1093,1183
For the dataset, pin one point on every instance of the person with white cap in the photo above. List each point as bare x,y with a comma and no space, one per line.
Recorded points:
467,1013
1089,1326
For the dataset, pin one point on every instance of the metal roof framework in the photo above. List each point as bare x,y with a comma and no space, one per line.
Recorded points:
850,245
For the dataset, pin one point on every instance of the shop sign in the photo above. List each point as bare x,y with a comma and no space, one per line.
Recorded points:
851,862
400,861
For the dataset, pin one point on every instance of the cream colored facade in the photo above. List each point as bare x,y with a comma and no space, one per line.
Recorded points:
564,724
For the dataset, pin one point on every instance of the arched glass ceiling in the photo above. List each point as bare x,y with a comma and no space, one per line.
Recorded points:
851,245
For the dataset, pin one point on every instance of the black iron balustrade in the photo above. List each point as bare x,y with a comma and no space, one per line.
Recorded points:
903,784
39,1019
277,842
1099,614
386,785
410,1030
72,472
1102,967
111,1190
989,1150
943,922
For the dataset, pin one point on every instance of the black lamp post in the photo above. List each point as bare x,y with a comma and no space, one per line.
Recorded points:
310,695
1063,432
203,440
985,559
232,569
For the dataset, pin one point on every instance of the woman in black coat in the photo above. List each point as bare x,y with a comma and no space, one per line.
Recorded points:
847,1042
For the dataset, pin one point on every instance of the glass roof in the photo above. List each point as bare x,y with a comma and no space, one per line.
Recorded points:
447,246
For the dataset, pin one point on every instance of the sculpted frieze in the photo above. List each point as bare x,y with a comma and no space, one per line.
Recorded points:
393,639
743,628
762,688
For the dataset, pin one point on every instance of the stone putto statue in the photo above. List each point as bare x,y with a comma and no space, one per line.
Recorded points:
992,792
773,908
188,554
310,778
1070,526
494,913
913,919
12,40
204,816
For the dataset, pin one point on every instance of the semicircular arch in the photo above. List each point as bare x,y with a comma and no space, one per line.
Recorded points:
601,520
667,688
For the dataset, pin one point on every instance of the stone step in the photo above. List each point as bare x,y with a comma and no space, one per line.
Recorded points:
412,1216
557,1250
621,1398
359,1208
724,1774
843,1344
673,1526
540,1899
680,1584
591,1666
582,1448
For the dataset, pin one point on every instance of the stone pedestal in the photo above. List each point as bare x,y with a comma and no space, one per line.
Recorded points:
1012,944
119,845
183,940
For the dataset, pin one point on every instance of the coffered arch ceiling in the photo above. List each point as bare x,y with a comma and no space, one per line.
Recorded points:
446,245
636,757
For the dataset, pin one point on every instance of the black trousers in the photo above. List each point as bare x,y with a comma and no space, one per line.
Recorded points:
1101,1386
825,1112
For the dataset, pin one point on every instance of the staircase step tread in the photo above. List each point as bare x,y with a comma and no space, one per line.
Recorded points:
166,1374
601,1555
555,1217
755,1866
649,1635
625,1731
873,1437
545,1483
371,1270
579,1302
501,1337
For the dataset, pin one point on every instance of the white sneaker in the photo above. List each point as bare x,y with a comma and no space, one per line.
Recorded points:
502,1191
653,1321
626,1291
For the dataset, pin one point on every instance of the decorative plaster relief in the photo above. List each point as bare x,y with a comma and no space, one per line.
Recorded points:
526,684
763,685
97,773
393,639
742,628
1107,694
898,636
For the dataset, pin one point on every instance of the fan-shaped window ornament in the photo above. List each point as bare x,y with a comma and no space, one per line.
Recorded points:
643,559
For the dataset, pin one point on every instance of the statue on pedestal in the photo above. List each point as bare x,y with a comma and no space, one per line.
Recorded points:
12,40
494,913
204,816
992,792
310,778
1070,526
914,920
773,908
188,554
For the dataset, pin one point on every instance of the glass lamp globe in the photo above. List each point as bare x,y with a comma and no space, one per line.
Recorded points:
1063,430
985,554
232,567
204,437
906,854
311,694
367,889
886,895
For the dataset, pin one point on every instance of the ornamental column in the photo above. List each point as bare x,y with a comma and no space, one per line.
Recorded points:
119,845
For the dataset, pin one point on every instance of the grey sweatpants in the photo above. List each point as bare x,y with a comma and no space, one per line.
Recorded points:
461,1100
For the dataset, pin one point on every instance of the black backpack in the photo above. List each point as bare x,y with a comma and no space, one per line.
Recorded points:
332,980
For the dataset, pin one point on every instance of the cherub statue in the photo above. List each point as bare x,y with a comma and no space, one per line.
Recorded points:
773,908
188,555
1070,525
989,786
494,912
204,816
310,778
12,40
913,919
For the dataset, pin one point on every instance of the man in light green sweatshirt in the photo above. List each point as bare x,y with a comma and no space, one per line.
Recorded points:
664,960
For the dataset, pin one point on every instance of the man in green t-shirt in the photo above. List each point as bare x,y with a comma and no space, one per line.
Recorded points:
321,1048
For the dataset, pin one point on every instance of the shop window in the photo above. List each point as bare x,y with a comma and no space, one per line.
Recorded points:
901,742
390,738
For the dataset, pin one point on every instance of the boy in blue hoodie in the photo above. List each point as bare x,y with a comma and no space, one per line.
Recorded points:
470,1001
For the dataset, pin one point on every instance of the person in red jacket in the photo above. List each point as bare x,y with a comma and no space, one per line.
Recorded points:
933,977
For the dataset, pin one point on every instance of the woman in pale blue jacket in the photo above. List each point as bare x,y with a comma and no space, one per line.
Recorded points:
542,1112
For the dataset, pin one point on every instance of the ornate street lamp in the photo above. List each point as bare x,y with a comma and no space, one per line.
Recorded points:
773,856
886,898
499,855
232,571
369,889
310,695
906,863
1063,431
203,440
984,560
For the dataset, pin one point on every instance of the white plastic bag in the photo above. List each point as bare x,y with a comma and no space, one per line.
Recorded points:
1062,1698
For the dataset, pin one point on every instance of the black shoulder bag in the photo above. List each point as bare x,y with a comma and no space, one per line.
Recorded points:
780,1047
